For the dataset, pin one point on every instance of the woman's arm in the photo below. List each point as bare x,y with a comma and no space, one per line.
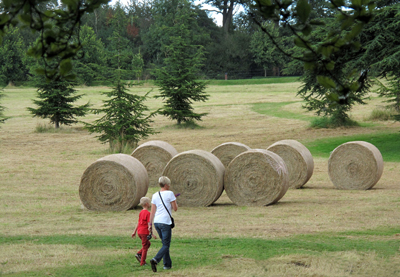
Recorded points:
174,205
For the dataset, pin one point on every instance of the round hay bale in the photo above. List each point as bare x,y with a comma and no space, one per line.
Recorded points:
154,155
256,177
298,160
113,183
198,176
226,152
355,165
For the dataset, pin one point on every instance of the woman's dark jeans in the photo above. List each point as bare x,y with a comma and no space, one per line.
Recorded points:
164,232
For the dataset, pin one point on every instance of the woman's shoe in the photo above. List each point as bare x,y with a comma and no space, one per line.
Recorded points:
153,265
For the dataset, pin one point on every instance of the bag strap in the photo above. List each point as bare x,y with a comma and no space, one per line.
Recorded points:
159,193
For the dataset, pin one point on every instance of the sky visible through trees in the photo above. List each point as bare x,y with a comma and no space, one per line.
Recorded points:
217,16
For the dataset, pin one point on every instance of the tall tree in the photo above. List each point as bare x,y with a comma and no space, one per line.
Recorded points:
56,98
226,8
124,122
90,64
230,55
178,78
318,88
120,54
265,52
164,16
2,117
13,60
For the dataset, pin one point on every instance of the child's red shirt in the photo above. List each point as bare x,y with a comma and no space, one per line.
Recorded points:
144,219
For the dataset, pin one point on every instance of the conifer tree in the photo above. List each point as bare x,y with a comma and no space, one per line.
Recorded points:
56,98
177,79
382,51
332,84
124,122
391,90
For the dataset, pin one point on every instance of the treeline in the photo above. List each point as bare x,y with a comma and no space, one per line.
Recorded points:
132,38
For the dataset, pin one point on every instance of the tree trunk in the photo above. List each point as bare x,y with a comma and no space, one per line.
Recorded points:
227,15
276,70
57,124
95,21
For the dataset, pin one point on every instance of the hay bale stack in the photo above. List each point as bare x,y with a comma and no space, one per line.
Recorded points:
256,177
113,183
198,176
226,152
154,155
298,160
355,165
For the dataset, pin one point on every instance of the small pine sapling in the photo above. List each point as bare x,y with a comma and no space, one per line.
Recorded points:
124,122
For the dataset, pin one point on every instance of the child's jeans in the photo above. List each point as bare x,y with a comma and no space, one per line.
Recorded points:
145,246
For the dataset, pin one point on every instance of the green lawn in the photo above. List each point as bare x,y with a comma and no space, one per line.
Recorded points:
201,252
275,109
387,143
258,81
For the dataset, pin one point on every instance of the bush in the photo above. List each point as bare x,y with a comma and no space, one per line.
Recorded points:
382,114
44,128
49,128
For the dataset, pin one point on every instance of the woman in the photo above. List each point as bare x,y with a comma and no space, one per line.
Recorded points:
162,221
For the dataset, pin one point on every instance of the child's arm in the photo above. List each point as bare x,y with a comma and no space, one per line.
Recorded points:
134,232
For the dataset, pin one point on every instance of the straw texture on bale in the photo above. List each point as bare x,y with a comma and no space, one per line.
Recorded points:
226,152
198,176
256,177
355,165
154,155
298,160
113,183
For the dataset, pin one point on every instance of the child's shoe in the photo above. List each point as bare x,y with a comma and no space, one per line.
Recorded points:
139,258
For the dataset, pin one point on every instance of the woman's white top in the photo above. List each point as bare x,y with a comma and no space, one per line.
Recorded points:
162,215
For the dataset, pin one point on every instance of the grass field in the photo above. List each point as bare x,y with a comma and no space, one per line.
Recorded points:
314,231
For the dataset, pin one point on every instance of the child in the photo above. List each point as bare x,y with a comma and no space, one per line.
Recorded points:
143,230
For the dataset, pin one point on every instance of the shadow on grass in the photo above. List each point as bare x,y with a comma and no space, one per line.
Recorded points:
186,125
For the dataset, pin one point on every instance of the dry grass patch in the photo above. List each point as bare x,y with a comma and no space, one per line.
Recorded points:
31,257
40,175
345,263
